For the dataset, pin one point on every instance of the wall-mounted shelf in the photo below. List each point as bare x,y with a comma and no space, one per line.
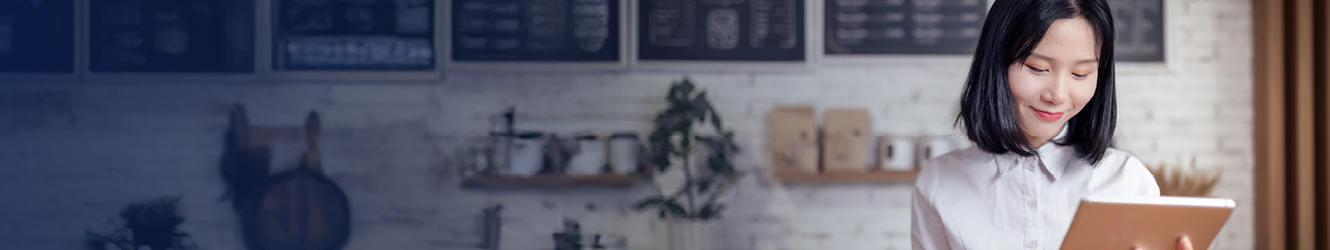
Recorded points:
548,181
882,176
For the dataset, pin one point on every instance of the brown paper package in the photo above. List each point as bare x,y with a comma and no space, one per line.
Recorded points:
845,149
793,139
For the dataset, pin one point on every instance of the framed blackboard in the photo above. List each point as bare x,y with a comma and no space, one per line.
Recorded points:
725,30
353,35
544,30
1140,30
904,26
37,36
171,36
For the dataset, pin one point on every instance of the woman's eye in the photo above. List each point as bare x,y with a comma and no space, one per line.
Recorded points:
1037,70
1079,75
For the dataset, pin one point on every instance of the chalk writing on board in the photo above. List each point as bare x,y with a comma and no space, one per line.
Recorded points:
414,17
547,22
535,30
774,24
591,23
355,34
903,26
1140,30
171,36
728,30
722,29
353,51
672,23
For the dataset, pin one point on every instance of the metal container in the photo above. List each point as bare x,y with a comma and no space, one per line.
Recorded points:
590,157
624,152
526,154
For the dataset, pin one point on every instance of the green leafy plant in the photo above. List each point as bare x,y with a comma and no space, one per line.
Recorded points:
151,224
680,129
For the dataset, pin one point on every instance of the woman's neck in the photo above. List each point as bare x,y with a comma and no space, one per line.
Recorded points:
1037,142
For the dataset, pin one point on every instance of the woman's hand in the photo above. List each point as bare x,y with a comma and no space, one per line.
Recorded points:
1183,244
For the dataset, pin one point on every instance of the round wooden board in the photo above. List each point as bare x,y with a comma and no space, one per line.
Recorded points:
299,210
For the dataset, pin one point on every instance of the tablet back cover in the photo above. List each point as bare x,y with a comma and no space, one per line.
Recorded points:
1100,225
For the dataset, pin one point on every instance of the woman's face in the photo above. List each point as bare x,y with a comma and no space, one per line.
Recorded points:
1056,81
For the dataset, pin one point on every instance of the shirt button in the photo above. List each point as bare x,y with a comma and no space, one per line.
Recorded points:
1031,203
1031,244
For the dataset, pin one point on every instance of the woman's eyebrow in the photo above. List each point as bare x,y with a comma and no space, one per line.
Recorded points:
1047,58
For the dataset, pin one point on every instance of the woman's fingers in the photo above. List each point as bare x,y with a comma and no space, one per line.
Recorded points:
1184,243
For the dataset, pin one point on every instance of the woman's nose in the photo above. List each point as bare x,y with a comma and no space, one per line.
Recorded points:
1056,93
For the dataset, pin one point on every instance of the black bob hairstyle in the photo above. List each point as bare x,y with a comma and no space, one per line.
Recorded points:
1011,32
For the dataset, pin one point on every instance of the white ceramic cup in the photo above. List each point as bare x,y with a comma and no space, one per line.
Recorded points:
623,153
934,146
896,152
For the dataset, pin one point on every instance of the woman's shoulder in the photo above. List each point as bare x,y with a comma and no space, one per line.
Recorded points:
948,167
960,158
1121,166
1118,160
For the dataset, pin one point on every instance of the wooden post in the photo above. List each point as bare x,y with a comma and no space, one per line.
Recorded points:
1268,88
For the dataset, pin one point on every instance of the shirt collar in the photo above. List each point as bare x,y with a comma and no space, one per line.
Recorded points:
1053,157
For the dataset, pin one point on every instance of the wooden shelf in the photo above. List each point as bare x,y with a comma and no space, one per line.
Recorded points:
884,176
549,181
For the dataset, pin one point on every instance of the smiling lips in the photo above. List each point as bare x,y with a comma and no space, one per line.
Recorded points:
1048,116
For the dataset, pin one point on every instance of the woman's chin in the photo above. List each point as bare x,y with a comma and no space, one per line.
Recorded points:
1044,132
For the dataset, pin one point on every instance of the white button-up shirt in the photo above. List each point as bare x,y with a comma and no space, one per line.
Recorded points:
971,199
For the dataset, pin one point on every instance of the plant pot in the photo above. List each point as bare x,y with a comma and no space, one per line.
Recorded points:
565,241
154,236
693,234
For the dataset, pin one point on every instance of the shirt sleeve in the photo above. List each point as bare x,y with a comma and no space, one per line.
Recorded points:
926,229
1146,184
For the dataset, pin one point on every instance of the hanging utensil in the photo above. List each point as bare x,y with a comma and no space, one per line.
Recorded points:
244,165
300,209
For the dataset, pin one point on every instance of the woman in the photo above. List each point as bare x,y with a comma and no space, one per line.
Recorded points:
1039,106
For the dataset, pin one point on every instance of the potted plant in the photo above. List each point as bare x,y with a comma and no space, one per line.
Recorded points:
145,225
690,212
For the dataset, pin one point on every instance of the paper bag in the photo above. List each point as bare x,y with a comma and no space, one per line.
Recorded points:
793,137
845,149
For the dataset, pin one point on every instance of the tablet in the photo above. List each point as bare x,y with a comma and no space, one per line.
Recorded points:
1121,222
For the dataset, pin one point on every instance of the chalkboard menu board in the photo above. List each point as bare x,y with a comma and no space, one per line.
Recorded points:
904,26
37,36
1140,30
731,30
172,36
354,34
535,30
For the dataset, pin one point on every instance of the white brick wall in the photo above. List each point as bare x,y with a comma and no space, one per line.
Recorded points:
72,154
